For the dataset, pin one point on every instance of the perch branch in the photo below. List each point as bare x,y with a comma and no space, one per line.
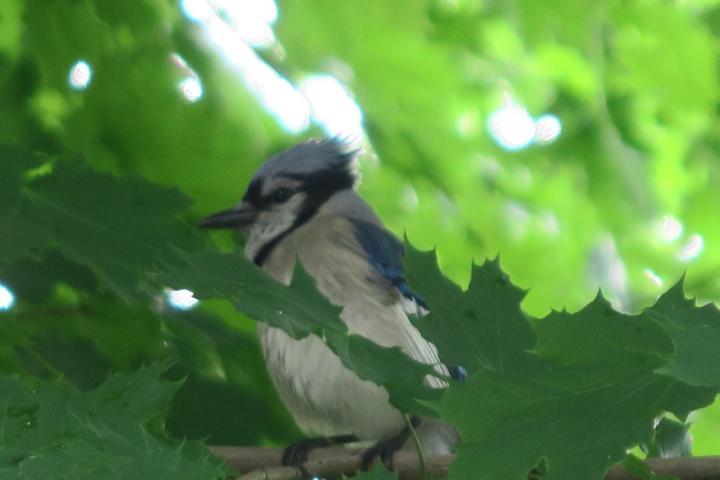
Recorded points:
265,464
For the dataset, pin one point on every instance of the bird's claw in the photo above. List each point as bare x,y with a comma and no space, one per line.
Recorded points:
384,450
297,453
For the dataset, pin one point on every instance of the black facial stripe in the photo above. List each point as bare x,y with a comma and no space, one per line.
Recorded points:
254,192
324,183
319,187
294,176
266,250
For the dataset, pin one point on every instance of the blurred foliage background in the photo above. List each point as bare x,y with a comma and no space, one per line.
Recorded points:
578,140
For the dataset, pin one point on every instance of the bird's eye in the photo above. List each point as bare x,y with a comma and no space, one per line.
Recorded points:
281,195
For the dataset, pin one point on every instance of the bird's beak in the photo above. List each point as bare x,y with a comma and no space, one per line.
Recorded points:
241,216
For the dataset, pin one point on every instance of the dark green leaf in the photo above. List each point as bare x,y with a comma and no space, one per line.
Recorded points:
300,310
119,227
586,392
33,280
50,432
481,328
696,334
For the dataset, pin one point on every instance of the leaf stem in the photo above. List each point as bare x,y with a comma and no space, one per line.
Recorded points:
50,368
418,447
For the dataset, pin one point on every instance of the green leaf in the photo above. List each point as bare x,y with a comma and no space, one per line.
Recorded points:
119,227
29,236
300,310
11,26
696,334
84,341
481,328
224,365
576,399
646,30
598,335
33,280
50,432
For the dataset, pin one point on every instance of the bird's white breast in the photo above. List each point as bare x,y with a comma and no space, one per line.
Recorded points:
325,397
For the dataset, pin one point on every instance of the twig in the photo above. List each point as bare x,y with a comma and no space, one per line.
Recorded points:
690,468
265,464
418,448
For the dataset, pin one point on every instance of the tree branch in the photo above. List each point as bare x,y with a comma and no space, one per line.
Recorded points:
265,464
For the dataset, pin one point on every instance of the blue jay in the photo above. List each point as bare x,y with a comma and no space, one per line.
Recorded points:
301,204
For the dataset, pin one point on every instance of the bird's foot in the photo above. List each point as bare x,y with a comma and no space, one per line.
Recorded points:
297,453
385,449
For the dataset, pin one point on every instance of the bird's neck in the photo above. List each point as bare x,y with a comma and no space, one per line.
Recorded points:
279,262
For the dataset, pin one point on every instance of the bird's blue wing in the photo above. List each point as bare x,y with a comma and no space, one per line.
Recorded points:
385,253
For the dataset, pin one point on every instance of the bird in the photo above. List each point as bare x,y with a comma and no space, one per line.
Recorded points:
302,205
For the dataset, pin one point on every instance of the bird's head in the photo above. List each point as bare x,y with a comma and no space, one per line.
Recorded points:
286,192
